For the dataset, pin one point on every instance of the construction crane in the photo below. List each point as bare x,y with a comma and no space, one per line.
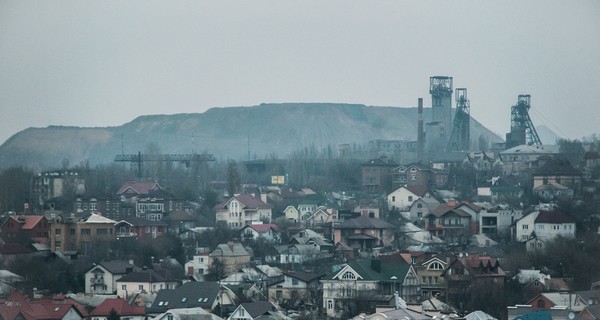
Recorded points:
522,130
187,159
460,138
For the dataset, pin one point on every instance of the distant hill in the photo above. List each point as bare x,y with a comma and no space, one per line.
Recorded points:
224,132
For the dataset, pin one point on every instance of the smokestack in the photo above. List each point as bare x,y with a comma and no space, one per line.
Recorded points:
420,133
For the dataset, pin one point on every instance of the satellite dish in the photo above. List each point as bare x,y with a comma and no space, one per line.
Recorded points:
571,315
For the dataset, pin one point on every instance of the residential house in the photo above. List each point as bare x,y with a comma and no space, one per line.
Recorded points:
206,295
145,281
121,307
538,227
18,227
265,231
371,210
310,237
422,207
433,284
131,190
321,216
377,175
102,277
292,214
413,238
180,221
497,220
358,282
471,270
198,266
155,205
296,287
256,310
17,306
416,174
364,233
306,209
558,305
523,157
449,223
404,196
232,255
187,314
74,234
243,209
552,190
140,228
560,172
108,204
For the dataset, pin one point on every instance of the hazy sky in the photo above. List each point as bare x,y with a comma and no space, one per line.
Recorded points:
103,63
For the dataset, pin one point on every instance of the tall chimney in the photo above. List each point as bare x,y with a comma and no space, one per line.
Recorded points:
420,133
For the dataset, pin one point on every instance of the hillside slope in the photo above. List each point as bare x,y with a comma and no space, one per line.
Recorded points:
224,132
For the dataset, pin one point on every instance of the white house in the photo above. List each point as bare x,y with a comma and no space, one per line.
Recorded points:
102,277
146,281
539,227
199,265
243,209
267,231
291,213
404,196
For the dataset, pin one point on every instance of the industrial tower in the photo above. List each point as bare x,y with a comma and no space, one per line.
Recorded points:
460,139
438,130
522,130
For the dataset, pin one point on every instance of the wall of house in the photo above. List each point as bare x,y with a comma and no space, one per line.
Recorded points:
401,199
525,226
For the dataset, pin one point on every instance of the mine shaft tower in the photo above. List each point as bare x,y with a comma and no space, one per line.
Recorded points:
460,139
522,130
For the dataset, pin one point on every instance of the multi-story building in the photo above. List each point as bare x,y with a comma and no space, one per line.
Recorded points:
364,233
80,235
538,227
53,184
17,227
377,175
232,255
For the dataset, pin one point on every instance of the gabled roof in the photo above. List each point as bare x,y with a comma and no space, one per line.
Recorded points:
96,218
256,309
139,187
120,306
442,211
365,269
140,222
117,266
553,217
364,222
28,222
229,250
248,201
552,186
527,149
304,276
418,190
261,228
189,295
145,276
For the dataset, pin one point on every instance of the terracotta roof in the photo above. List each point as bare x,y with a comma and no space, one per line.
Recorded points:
120,306
553,217
139,187
29,221
264,227
252,202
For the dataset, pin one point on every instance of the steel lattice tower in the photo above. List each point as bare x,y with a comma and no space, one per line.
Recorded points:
522,130
460,139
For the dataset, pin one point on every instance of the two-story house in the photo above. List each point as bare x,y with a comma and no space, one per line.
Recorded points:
232,255
102,277
364,233
404,196
266,231
449,223
206,295
361,281
256,310
560,172
140,228
243,209
198,265
416,174
18,227
144,281
433,284
297,286
471,270
110,205
538,227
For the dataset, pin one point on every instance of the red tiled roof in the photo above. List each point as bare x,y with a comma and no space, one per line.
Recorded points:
252,202
264,227
120,306
553,217
29,221
139,187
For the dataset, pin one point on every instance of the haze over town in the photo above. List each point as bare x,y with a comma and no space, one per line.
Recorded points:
103,64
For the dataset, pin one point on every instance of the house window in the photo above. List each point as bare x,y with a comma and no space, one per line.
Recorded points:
278,294
86,232
57,232
436,266
102,232
393,198
141,287
540,226
57,244
424,279
541,303
420,205
329,304
123,287
410,198
72,232
348,276
294,282
525,227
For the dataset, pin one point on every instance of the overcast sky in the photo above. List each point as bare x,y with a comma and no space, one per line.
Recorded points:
103,63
